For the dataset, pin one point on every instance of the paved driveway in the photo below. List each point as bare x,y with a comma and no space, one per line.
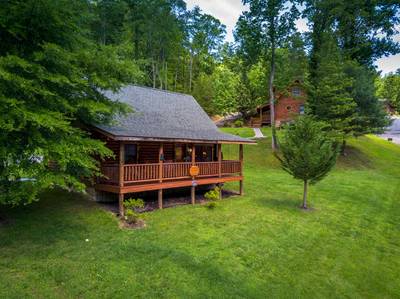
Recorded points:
393,131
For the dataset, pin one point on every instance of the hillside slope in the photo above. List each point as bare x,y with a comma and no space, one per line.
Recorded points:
253,246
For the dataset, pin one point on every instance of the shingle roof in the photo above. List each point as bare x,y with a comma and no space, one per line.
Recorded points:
163,115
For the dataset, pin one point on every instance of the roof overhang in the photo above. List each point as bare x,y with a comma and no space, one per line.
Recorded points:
176,140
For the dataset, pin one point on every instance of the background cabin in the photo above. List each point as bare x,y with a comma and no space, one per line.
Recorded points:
167,142
288,105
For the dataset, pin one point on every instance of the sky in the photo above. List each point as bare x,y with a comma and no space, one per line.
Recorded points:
228,12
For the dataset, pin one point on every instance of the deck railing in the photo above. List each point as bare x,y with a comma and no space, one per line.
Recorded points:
110,173
177,170
141,172
136,173
231,167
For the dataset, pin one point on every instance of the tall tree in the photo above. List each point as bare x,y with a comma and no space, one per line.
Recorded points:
330,99
51,77
364,32
108,21
273,21
205,35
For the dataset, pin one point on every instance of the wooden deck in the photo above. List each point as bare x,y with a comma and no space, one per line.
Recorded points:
122,178
147,177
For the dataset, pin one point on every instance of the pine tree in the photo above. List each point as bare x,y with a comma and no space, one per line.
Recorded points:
307,152
329,95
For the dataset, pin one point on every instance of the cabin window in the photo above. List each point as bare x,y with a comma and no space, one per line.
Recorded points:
130,153
204,153
301,109
296,91
178,153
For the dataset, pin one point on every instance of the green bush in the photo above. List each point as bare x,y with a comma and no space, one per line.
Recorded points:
238,123
131,206
211,205
212,195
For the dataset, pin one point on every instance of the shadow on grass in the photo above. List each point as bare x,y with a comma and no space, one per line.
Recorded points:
211,272
354,159
279,204
48,220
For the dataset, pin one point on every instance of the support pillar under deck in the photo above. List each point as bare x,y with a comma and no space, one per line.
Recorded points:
160,199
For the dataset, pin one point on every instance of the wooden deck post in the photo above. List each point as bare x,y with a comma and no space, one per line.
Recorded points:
160,174
220,169
193,194
193,188
121,204
219,160
160,199
121,178
241,191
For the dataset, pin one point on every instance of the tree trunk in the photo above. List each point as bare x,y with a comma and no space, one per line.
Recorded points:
272,97
176,79
343,149
154,73
305,194
190,72
166,76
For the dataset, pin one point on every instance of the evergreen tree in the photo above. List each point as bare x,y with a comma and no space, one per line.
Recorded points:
307,152
329,95
371,116
364,32
51,77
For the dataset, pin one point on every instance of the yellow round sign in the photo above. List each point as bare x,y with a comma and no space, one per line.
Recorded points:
194,170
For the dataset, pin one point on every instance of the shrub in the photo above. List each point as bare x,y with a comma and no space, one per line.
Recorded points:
131,210
211,205
238,123
212,195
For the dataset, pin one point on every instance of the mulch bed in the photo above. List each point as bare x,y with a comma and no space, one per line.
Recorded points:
138,225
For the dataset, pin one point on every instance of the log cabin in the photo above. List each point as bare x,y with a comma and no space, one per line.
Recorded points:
288,104
167,142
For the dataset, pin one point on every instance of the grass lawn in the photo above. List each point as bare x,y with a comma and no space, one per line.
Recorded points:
244,132
256,246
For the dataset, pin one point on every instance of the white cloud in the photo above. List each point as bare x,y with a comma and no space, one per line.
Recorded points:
301,25
228,12
388,64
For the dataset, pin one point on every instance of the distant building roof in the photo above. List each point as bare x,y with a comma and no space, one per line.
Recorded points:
163,115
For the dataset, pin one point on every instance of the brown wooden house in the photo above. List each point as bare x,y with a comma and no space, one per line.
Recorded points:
167,142
288,105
